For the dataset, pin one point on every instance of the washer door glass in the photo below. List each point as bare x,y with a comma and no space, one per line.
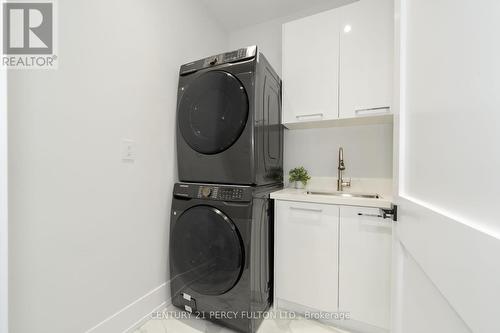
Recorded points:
213,111
207,250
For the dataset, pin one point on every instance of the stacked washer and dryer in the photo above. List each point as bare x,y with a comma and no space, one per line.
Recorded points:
230,158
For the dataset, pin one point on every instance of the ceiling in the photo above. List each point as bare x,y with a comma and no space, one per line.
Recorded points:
237,14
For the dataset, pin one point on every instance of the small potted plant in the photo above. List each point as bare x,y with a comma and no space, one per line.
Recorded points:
299,177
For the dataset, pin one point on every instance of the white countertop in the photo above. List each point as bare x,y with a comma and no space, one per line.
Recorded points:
291,194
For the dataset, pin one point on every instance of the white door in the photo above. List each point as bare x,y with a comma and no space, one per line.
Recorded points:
447,240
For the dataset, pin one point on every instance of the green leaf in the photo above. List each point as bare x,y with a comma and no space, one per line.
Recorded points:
299,174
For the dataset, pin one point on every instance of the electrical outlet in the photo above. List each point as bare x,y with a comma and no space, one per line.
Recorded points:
128,150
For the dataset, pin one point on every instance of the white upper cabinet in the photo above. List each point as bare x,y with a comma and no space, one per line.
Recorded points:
338,64
366,58
310,68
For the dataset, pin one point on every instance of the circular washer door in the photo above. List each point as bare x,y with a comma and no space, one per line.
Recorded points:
213,111
207,250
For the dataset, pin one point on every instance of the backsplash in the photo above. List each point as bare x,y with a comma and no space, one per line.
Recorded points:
367,151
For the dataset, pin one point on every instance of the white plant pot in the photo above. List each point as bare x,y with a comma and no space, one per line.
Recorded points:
299,185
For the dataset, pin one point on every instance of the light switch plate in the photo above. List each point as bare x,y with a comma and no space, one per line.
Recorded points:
128,150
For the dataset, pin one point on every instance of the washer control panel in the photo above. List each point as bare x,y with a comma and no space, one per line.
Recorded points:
213,192
220,193
231,193
208,192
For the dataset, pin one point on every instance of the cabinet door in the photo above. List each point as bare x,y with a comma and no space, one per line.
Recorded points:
366,58
310,68
365,265
306,262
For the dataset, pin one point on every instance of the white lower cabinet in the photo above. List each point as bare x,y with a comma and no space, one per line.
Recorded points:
306,245
365,265
334,258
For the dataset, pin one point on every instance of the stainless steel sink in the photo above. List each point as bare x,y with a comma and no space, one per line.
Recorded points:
347,194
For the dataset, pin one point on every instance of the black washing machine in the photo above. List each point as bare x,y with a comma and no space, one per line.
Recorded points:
221,252
229,120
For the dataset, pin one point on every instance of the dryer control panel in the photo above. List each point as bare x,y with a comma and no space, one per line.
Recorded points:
213,192
219,59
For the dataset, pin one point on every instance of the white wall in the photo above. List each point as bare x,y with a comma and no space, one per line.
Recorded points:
267,35
3,199
89,233
368,149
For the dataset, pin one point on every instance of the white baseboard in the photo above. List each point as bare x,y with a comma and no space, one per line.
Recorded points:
136,313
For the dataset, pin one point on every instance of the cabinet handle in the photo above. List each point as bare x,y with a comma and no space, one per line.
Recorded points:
391,213
312,115
317,210
370,215
372,111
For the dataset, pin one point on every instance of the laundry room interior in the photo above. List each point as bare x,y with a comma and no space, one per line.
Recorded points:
258,166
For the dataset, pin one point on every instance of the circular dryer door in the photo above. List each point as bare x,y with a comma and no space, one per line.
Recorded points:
213,111
207,250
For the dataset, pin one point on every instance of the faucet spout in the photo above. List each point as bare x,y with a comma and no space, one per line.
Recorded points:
340,169
341,165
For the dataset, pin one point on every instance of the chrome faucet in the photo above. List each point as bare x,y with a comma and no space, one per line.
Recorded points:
340,169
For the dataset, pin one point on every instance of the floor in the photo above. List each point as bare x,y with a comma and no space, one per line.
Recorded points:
170,321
